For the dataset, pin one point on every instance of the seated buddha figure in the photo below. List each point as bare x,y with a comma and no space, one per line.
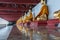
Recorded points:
43,14
25,18
57,14
30,15
19,21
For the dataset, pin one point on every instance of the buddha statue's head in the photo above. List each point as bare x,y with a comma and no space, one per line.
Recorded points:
20,20
25,18
30,14
43,1
57,14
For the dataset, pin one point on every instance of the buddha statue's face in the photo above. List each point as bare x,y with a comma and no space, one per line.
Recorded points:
42,1
57,15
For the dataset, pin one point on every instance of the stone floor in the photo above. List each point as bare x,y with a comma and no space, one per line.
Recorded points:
15,34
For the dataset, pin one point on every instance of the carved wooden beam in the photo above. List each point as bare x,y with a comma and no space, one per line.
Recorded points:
10,8
13,9
11,13
22,8
20,1
10,17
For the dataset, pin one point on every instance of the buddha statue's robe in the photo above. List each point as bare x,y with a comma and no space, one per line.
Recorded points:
19,21
30,15
25,18
18,24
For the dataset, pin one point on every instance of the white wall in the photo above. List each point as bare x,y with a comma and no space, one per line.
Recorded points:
2,21
5,31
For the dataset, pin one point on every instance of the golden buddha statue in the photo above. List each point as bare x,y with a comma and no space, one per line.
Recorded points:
18,23
43,14
57,14
25,18
30,15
